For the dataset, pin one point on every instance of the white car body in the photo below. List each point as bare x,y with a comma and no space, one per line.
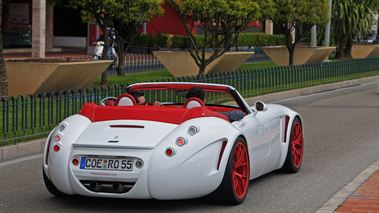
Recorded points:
142,147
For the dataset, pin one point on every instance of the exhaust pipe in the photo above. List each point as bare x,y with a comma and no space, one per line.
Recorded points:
95,186
118,187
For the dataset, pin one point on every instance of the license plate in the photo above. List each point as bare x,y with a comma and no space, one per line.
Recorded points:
106,164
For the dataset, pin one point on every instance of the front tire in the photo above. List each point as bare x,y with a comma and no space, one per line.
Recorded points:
295,148
234,186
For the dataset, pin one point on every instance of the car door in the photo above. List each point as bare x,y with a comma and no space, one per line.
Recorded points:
256,130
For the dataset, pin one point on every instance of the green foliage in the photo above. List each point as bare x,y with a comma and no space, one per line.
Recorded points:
178,41
144,40
161,40
298,12
260,39
123,10
219,19
297,15
351,19
183,42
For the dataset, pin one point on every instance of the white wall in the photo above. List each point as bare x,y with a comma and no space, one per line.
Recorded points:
61,41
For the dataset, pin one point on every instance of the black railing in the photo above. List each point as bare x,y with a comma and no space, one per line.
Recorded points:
148,62
33,116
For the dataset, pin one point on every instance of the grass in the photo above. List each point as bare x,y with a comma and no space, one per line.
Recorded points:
137,77
164,74
257,65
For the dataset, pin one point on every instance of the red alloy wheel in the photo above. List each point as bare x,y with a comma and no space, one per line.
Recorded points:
297,144
240,170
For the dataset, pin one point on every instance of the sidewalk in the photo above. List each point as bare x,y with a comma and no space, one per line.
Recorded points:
360,195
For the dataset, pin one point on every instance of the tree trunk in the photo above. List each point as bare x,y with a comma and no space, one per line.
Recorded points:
202,69
121,64
341,48
290,47
3,71
121,55
348,47
291,51
104,76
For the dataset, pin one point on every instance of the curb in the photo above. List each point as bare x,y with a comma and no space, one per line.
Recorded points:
23,149
340,197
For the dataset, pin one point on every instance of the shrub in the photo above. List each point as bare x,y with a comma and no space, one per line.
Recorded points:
178,41
160,40
144,40
183,42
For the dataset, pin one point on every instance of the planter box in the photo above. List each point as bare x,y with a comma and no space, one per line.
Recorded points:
365,50
39,77
302,55
180,63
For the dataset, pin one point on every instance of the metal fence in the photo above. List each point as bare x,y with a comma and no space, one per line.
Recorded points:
148,62
33,116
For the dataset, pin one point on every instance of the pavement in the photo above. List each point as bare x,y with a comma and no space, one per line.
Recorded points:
360,195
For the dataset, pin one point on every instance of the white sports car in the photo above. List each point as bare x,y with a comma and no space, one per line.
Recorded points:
185,149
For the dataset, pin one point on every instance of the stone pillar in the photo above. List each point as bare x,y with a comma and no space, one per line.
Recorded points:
38,28
314,36
269,27
49,25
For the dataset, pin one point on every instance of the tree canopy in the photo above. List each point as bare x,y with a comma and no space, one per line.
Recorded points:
297,16
220,20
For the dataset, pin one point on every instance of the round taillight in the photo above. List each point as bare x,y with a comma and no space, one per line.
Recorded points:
170,152
58,137
57,147
180,141
75,161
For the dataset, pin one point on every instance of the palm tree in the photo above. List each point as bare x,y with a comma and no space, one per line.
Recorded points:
351,18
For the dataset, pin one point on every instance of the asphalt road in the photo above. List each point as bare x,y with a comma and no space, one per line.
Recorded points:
341,140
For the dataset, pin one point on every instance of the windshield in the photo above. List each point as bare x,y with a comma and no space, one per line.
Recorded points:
179,96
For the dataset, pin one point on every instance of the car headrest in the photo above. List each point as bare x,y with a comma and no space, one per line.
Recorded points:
125,100
193,102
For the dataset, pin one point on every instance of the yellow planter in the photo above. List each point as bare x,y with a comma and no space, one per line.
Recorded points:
39,77
365,50
302,55
181,64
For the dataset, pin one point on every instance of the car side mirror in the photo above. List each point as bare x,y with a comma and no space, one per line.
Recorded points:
259,107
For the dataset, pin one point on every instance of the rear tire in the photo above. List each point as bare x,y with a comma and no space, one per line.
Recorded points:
295,148
234,186
50,186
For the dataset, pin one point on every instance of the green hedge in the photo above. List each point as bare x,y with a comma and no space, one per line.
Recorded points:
183,42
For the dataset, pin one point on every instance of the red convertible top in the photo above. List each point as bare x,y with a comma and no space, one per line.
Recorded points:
149,113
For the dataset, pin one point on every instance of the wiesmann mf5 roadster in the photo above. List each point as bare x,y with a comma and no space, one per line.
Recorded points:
183,149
